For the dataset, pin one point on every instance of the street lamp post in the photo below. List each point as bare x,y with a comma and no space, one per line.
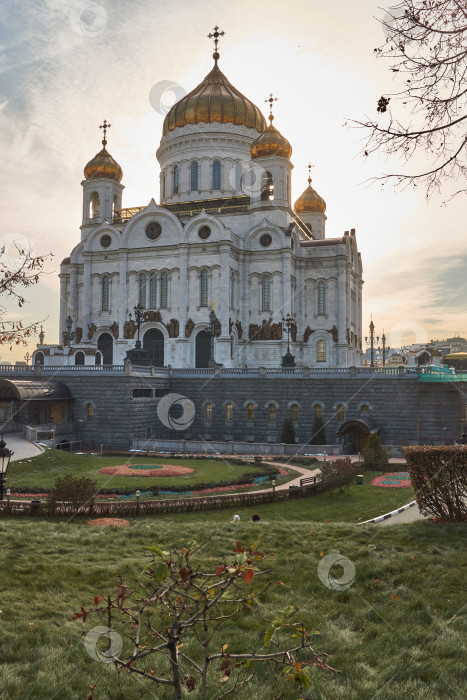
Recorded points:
5,456
288,360
371,341
385,348
138,355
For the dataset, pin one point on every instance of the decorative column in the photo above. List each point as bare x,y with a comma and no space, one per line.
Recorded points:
87,292
341,308
122,295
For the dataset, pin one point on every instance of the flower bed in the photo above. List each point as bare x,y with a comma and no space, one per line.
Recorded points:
146,470
393,480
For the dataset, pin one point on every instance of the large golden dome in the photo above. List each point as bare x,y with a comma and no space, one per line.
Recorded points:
310,201
103,165
271,143
214,100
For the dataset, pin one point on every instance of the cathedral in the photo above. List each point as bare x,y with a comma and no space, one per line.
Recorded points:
209,273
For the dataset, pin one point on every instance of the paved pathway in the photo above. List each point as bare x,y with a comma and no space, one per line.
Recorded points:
21,447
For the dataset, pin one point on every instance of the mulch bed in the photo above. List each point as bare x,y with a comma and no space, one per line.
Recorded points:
393,480
104,522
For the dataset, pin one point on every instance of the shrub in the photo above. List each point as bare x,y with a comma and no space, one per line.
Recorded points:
72,490
339,473
319,436
179,603
288,432
375,456
439,477
258,459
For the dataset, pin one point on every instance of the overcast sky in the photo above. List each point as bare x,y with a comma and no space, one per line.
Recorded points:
65,66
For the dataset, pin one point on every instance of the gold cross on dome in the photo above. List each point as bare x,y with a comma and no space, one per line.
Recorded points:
271,100
105,126
216,36
309,166
212,306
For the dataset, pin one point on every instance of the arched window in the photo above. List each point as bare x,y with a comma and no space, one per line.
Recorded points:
294,413
228,412
321,351
194,176
143,281
163,185
340,413
266,294
321,298
364,408
39,358
98,359
318,411
208,412
148,433
272,412
153,292
105,293
175,180
204,288
164,290
89,412
95,205
250,412
216,175
267,186
79,358
114,205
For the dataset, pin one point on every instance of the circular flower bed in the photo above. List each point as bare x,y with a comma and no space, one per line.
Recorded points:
393,480
146,470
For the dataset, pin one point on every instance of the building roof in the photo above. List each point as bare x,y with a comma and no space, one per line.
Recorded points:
34,390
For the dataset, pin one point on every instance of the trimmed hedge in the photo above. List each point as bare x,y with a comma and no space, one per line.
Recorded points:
439,477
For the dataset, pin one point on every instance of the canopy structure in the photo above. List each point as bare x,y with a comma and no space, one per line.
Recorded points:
34,390
362,425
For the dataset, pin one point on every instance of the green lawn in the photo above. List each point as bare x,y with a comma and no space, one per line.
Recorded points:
398,632
41,471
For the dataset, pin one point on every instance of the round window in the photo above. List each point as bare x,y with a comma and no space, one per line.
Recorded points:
204,232
265,240
105,240
153,230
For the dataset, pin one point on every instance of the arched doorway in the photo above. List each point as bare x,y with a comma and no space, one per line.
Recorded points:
354,434
203,349
105,345
153,342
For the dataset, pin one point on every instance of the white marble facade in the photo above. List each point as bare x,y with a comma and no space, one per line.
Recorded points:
214,238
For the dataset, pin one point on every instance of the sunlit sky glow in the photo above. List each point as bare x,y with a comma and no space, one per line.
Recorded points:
63,70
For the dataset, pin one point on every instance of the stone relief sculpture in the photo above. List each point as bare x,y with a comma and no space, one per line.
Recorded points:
152,317
91,330
78,334
114,329
307,333
267,330
334,333
189,328
173,328
129,329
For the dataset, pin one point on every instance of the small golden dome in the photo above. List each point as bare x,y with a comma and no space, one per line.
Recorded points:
310,201
103,165
271,143
215,99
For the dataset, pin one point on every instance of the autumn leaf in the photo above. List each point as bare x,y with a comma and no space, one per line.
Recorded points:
184,573
224,647
321,554
97,600
395,597
248,575
378,580
239,547
219,569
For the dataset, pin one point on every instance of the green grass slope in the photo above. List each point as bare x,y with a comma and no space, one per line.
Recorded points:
398,632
